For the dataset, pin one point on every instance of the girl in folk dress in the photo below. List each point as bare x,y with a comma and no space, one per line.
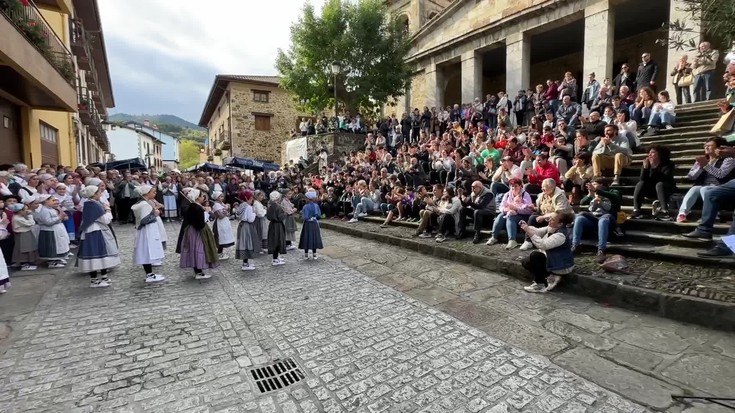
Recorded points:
261,224
276,228
222,227
170,193
197,246
311,237
98,250
4,276
149,242
290,222
248,241
66,205
53,241
25,250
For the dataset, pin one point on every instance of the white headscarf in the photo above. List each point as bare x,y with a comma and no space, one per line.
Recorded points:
216,195
311,194
275,196
93,181
90,190
42,197
143,189
193,194
29,199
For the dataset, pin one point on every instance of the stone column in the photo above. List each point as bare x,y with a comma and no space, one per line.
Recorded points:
471,76
672,58
435,87
599,41
517,63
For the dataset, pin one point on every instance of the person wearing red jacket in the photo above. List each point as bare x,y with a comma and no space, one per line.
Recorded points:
543,170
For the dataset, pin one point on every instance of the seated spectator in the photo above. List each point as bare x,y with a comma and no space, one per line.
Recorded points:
577,177
555,258
449,210
514,151
569,111
640,110
657,182
560,154
602,210
662,114
603,100
369,201
708,171
551,200
480,207
428,216
393,203
594,126
466,174
544,170
612,151
583,144
627,128
486,172
502,176
515,207
608,116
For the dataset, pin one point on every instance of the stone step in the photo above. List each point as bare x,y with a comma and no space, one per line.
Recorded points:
684,118
689,154
670,228
666,247
698,105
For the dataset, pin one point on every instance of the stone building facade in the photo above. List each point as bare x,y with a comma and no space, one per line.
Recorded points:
474,47
248,116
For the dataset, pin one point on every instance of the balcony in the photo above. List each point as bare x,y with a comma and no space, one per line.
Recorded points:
36,68
85,105
223,141
80,44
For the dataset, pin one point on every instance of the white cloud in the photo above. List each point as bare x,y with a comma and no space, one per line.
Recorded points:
233,36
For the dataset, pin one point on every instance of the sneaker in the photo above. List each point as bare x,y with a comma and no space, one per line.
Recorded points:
636,214
440,238
655,208
362,215
492,241
383,225
553,281
154,278
715,252
535,288
664,216
69,255
527,245
106,279
276,262
307,256
281,260
202,276
425,235
681,218
3,289
95,283
669,127
352,221
616,180
223,257
314,256
291,247
698,234
511,244
601,257
56,264
248,267
28,267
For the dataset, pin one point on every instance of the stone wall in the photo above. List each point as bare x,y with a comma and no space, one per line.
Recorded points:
335,143
262,145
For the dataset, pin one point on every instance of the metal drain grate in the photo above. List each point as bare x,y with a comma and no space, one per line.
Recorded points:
280,374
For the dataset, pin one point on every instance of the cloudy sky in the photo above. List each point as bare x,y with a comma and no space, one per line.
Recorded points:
164,54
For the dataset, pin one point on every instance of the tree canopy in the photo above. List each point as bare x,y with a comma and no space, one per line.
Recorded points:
370,45
715,17
188,154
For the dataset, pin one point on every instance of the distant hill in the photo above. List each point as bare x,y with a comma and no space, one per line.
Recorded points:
172,120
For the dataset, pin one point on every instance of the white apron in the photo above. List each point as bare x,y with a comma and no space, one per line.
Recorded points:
225,234
148,246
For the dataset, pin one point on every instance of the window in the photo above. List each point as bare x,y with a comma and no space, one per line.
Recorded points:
48,133
261,96
6,122
262,122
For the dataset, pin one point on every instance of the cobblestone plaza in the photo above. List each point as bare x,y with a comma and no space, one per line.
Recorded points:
188,346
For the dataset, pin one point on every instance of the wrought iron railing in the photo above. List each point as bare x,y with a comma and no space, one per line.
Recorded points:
26,17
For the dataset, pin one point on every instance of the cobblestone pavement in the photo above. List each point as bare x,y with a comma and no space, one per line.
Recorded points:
188,346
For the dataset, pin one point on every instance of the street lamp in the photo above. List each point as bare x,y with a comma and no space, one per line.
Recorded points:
336,68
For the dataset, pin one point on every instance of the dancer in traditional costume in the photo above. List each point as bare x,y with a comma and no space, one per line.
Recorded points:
170,194
25,250
53,241
66,204
261,223
197,246
276,228
222,227
98,249
248,241
311,236
149,243
290,223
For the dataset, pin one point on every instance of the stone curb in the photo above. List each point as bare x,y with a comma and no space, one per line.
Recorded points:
708,313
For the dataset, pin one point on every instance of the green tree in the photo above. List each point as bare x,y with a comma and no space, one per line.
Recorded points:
370,45
188,154
716,19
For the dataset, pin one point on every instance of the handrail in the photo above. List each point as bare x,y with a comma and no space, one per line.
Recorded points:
29,21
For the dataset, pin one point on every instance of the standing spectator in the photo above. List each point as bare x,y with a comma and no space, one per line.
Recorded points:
647,71
680,78
703,70
551,95
568,87
624,78
415,125
555,258
657,181
591,91
519,107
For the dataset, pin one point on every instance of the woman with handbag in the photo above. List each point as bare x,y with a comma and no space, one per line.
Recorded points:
682,79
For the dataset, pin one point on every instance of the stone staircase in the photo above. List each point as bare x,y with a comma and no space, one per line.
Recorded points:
659,240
